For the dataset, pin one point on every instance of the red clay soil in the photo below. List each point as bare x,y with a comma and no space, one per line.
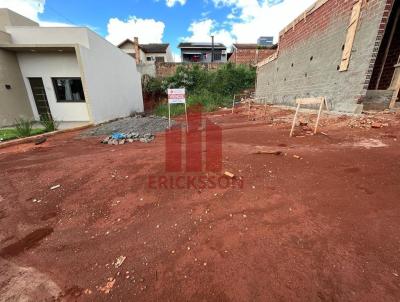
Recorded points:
321,222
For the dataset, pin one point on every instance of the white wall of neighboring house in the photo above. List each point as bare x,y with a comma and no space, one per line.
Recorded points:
111,80
47,65
168,57
153,57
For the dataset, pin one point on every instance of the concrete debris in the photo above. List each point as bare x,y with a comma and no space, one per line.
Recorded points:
123,138
108,287
40,140
229,174
119,261
368,123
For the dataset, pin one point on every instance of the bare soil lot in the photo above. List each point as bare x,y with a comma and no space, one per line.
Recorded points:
321,222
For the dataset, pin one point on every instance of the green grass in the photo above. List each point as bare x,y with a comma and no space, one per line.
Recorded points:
209,101
11,133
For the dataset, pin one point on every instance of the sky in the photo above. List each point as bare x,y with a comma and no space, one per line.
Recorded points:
167,21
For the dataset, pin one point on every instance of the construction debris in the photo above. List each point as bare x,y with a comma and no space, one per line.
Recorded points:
368,123
55,187
108,287
40,140
119,261
119,138
269,152
229,174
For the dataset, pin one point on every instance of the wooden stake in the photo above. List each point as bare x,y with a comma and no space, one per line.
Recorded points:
265,109
249,102
187,120
169,115
319,115
294,120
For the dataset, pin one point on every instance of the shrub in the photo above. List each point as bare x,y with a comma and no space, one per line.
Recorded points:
49,123
152,85
23,127
212,89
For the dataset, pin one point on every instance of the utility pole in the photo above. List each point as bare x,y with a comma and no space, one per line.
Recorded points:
212,49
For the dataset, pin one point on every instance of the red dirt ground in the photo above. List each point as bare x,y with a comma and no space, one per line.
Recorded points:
321,228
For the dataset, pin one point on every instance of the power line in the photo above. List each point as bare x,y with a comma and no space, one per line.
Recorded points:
61,15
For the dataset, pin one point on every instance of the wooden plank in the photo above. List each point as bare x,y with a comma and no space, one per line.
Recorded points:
319,116
310,101
350,37
294,120
395,85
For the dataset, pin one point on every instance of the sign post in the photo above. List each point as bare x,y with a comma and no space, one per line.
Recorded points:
177,96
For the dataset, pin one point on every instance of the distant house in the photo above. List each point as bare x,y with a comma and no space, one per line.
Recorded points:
265,41
70,74
147,53
251,53
202,52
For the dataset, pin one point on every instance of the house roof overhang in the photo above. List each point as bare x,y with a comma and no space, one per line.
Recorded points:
39,48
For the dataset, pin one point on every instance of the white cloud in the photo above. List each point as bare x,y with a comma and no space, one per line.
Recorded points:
177,57
201,31
250,19
171,3
28,8
31,9
147,30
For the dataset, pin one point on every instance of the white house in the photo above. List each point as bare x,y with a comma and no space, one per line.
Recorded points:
147,53
70,73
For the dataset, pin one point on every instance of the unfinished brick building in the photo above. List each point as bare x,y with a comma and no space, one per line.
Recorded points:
251,54
345,50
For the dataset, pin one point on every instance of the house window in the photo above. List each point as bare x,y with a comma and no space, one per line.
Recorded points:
148,59
68,89
160,59
217,56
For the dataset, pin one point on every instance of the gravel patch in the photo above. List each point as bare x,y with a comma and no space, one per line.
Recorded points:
137,124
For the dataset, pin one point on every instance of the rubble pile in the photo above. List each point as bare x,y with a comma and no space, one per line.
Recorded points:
123,138
368,123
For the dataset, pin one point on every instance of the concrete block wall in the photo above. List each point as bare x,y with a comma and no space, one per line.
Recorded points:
310,52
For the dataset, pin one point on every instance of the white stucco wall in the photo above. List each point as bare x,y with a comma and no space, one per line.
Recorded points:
112,82
47,65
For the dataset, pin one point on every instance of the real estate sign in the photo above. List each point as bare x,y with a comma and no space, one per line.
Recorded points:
177,96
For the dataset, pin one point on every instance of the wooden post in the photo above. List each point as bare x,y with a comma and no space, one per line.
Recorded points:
310,101
319,115
248,117
265,109
294,120
169,115
187,120
233,103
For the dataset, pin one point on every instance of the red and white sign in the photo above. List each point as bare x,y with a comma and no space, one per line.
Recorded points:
176,96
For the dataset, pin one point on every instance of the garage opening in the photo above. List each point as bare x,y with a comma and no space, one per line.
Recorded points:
384,85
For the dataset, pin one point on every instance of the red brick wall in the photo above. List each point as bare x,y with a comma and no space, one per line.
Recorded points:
393,53
317,22
250,56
